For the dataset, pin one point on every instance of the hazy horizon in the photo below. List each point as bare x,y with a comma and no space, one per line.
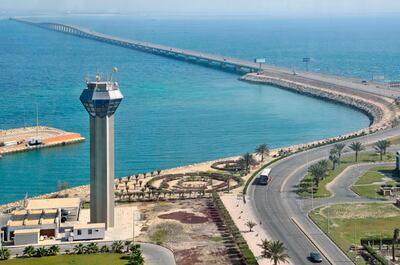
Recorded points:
225,8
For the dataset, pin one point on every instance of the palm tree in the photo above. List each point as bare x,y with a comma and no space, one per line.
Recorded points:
29,251
104,249
250,225
134,248
136,258
339,149
4,253
53,250
356,147
324,164
127,244
247,160
79,249
91,248
41,252
278,252
396,234
381,147
117,246
317,171
228,183
262,150
333,158
266,248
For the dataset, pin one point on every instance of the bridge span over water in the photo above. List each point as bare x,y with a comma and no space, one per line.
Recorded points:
223,62
211,60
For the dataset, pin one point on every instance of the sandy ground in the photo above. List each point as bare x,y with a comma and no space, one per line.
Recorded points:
242,212
186,228
123,227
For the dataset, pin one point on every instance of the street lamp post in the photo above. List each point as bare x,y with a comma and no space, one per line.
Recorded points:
133,226
328,217
306,60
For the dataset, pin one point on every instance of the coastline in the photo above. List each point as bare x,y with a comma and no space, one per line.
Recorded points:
380,109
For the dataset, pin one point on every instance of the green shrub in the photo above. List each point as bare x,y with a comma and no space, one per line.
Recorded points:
378,257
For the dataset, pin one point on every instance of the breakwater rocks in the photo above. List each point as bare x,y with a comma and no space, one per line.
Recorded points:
379,109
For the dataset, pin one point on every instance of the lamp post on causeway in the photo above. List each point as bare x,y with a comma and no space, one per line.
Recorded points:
101,99
307,61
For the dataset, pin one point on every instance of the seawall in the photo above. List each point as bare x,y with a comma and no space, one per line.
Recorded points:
381,110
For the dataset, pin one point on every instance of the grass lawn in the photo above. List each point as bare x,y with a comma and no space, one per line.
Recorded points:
95,259
395,140
368,184
346,161
348,223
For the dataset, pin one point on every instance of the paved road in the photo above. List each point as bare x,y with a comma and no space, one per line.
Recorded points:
153,254
278,204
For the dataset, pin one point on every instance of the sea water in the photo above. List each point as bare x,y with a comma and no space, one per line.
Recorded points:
175,113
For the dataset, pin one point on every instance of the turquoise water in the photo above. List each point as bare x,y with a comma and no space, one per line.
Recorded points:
175,113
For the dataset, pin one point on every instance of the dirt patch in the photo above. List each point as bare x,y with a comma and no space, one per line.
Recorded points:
184,217
186,228
188,256
360,211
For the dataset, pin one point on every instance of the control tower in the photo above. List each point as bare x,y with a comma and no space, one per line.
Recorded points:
101,99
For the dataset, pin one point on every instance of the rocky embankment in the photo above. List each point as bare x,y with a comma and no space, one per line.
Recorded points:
382,111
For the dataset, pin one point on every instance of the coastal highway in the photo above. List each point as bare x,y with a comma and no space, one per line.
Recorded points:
278,205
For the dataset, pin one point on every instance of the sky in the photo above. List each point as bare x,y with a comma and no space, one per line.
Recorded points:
290,8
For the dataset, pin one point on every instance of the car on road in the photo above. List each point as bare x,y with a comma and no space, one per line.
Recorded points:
315,257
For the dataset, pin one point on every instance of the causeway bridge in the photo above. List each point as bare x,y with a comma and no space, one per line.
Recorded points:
210,60
223,62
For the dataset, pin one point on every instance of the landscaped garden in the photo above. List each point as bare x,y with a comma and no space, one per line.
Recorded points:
94,259
369,184
120,252
323,172
347,224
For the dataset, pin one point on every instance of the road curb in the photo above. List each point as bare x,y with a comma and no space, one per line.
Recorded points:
329,259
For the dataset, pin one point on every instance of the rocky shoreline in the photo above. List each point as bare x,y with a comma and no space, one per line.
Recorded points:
379,109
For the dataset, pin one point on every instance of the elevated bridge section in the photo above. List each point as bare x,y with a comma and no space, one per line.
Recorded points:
223,62
211,60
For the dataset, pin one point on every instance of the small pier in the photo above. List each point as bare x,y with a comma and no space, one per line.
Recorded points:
31,138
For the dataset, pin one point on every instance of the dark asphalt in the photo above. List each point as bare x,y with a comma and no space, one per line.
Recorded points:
278,204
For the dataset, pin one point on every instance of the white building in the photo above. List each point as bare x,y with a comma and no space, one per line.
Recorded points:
46,215
88,231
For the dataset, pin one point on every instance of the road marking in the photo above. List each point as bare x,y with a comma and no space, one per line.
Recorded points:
295,171
327,257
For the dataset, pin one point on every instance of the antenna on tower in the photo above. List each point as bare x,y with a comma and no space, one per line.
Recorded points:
114,70
37,120
98,77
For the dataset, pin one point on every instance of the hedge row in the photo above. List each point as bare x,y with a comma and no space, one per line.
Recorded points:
244,249
376,256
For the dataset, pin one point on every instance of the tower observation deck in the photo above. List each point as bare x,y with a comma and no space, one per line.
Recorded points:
101,99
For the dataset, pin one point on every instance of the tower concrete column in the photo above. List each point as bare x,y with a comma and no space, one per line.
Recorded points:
102,170
101,99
